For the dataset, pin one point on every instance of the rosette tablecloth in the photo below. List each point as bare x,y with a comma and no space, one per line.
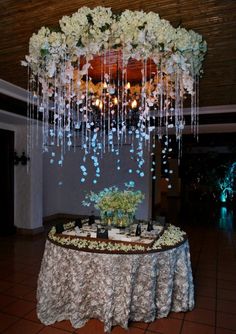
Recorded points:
115,288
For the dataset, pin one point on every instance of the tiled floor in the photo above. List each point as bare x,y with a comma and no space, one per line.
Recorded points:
213,253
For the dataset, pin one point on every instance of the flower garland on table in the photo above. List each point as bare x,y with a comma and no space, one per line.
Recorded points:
170,238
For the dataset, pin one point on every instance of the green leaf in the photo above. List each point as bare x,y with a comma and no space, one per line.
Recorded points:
105,27
134,46
142,26
79,43
161,46
90,18
44,52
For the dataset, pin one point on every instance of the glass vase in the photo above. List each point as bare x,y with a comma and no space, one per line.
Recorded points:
117,218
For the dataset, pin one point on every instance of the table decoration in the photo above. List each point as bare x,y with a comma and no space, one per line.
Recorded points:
172,236
115,286
117,207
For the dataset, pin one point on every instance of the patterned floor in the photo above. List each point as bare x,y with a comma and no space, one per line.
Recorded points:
213,254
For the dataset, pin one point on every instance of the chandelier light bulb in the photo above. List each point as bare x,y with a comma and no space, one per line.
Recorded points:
128,86
100,105
134,104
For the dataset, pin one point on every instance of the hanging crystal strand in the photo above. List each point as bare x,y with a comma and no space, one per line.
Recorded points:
150,97
131,132
57,111
61,115
144,98
81,111
33,104
67,116
141,114
193,99
182,113
158,101
37,87
177,120
31,114
43,117
100,95
161,94
182,102
147,109
77,105
57,119
60,99
196,106
78,98
112,95
140,131
104,105
164,120
127,85
37,104
63,141
152,137
118,99
71,116
60,127
54,113
123,96
30,101
170,103
64,116
178,115
119,106
47,123
73,113
101,104
87,124
109,102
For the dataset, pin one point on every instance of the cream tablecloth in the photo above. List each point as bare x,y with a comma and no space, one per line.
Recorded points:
115,288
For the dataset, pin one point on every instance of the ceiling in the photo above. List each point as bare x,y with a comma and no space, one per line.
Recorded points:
214,19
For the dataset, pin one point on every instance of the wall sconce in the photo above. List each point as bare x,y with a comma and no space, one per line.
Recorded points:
23,159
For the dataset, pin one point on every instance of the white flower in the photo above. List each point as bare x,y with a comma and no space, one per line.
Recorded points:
140,35
171,237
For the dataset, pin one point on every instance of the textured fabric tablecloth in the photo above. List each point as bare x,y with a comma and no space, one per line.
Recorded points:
115,288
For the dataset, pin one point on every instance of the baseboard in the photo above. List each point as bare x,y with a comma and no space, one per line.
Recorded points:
29,231
59,216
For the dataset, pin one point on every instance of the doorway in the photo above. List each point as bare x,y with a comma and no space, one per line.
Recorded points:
7,182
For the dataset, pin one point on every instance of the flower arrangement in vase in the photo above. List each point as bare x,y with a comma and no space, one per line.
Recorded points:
117,207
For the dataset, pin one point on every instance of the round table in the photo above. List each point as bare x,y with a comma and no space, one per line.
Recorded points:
79,285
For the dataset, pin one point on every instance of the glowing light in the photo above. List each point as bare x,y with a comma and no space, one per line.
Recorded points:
223,197
127,85
100,105
227,183
134,104
226,218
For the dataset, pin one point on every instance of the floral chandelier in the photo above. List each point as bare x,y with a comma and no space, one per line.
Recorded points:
105,79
